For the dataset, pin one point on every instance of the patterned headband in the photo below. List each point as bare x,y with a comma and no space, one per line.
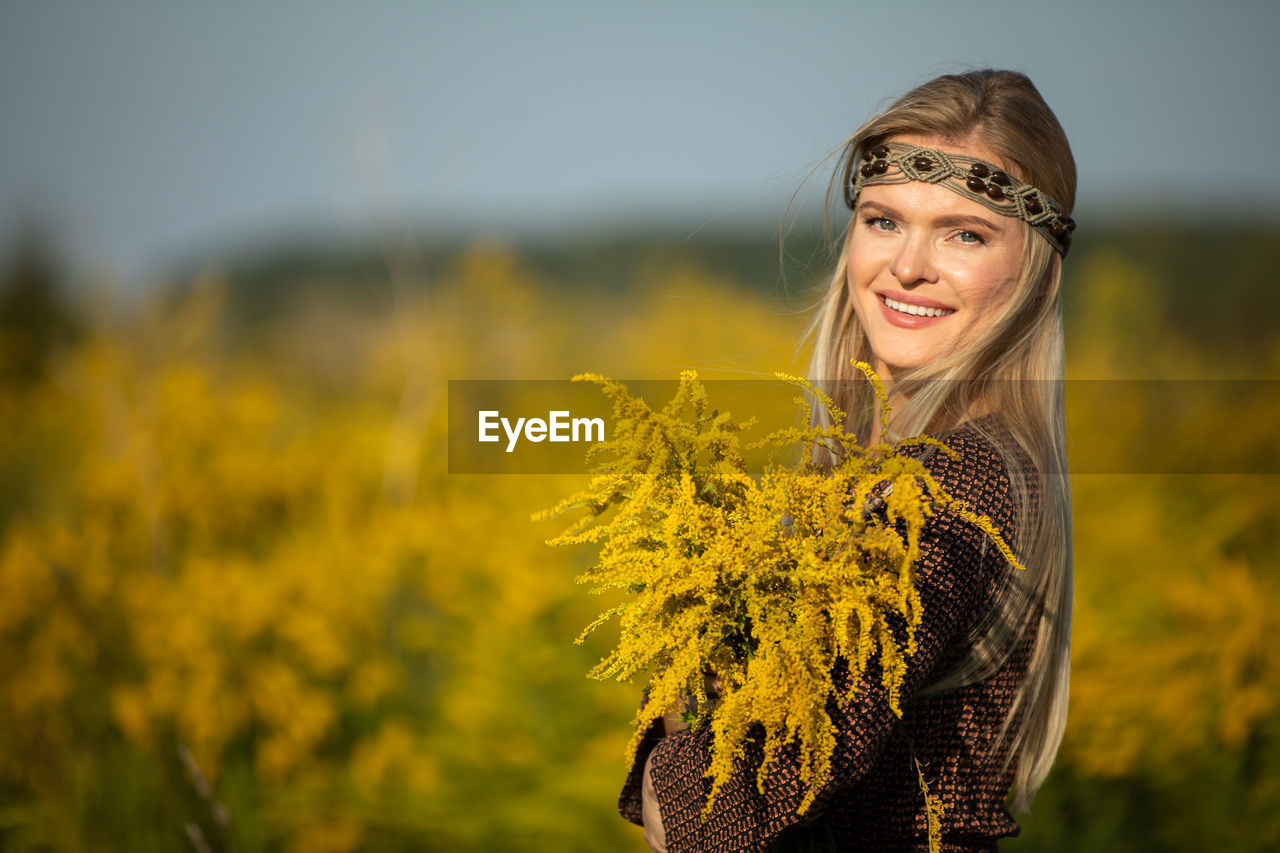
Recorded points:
978,180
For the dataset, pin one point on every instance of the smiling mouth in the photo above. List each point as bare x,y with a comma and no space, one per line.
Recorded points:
915,310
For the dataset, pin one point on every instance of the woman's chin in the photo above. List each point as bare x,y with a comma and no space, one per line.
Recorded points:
900,364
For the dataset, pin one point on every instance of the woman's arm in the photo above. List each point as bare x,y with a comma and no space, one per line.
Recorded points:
654,833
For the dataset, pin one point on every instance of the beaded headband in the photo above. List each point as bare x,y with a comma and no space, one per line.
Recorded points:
978,180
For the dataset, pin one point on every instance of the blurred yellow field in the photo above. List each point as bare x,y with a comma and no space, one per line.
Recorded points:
242,600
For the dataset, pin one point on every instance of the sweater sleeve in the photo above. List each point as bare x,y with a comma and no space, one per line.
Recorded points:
954,575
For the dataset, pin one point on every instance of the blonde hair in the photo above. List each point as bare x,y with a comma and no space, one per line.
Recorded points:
1013,367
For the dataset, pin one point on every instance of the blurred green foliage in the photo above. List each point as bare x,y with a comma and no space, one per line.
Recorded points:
244,605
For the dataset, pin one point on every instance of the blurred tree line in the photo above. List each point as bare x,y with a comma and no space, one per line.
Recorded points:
37,318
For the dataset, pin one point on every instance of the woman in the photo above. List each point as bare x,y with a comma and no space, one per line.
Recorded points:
948,282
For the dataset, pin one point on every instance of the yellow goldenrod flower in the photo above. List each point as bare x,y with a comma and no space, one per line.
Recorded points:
764,581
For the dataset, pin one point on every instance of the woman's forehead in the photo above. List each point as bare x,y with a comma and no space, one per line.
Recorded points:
970,146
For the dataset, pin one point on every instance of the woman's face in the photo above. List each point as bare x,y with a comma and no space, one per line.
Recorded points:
928,268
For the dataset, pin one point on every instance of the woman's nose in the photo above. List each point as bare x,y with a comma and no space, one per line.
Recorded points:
913,263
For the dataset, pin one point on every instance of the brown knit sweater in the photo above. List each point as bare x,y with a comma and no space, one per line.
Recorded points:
874,801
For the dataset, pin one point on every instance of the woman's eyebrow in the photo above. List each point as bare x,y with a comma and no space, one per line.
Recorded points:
963,219
880,208
951,221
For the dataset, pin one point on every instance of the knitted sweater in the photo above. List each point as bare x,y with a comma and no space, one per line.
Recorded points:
874,801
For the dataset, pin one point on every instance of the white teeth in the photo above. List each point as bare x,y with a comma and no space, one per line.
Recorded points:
916,310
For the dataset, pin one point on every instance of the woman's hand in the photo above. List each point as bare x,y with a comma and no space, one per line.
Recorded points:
673,720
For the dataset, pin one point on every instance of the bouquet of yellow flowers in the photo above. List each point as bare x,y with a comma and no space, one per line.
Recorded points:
764,581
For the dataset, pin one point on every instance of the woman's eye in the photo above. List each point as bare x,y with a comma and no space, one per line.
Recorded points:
880,223
970,237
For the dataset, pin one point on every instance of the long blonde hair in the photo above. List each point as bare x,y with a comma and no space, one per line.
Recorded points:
1013,367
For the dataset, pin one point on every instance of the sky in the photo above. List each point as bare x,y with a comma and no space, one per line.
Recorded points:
145,133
